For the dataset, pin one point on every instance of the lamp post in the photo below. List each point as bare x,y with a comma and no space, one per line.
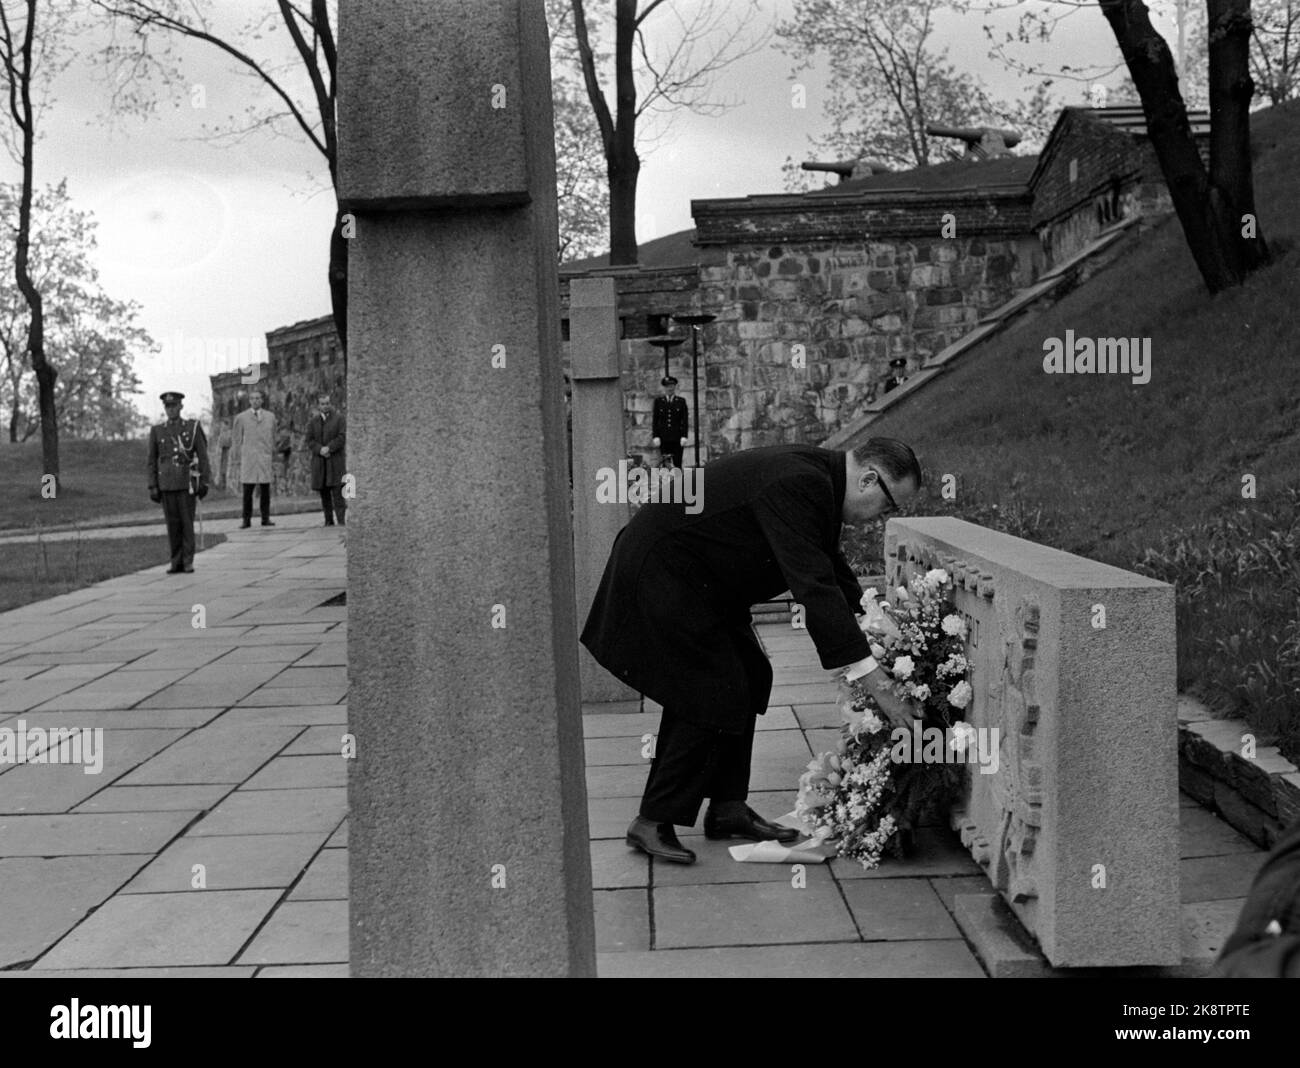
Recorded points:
666,342
695,321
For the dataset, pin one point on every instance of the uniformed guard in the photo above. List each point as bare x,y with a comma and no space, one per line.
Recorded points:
178,475
670,421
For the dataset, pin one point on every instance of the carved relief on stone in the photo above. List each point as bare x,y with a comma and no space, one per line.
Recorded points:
1017,789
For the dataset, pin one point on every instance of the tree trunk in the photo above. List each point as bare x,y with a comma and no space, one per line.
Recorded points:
45,374
338,281
624,165
1210,205
622,212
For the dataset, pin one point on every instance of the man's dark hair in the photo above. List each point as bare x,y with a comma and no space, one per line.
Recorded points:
893,457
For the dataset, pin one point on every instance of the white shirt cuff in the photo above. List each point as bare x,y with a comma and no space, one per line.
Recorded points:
863,667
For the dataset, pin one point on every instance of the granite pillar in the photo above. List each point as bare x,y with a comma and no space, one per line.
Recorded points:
598,444
1073,665
468,829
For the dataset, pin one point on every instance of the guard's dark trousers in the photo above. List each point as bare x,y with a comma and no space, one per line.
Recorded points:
264,500
331,499
178,508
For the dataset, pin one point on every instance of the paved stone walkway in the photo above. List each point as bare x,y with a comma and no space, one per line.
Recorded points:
222,750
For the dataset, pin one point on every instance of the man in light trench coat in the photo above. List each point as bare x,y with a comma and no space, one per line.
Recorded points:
252,442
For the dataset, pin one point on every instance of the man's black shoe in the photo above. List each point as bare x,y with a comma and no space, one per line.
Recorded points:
267,523
741,821
173,571
189,570
245,524
659,840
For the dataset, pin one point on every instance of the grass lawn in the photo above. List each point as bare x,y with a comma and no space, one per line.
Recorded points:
33,571
1128,474
100,482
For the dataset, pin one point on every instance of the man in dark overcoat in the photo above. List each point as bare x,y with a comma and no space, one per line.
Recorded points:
671,617
670,421
326,436
178,473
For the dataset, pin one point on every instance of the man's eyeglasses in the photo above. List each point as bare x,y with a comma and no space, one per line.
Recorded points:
880,481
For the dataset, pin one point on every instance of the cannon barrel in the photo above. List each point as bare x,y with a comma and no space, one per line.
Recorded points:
843,169
972,134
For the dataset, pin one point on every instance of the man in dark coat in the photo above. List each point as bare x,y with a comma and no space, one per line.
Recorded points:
1266,942
671,617
178,473
670,421
326,435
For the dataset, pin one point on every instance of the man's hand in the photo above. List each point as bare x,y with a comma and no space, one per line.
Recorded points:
654,442
324,450
155,496
899,712
203,492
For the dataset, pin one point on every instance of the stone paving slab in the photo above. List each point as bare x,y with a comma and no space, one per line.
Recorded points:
275,811
303,971
133,973
228,862
90,833
216,754
155,798
325,740
305,715
622,920
898,909
760,913
45,897
326,879
299,772
158,930
302,932
61,787
877,960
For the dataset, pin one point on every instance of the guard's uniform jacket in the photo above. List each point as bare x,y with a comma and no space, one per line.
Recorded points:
672,615
175,447
670,421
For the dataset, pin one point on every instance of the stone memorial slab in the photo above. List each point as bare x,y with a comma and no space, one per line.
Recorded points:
1073,666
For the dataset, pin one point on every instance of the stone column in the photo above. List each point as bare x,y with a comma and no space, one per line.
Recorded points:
469,851
598,442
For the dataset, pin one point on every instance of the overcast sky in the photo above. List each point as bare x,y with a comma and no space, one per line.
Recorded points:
227,241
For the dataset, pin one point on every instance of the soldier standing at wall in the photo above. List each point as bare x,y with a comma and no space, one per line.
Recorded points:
670,421
326,436
178,474
253,440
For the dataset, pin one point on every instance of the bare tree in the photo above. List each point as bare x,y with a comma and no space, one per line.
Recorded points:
888,81
581,187
673,78
1215,205
26,56
1274,50
311,30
